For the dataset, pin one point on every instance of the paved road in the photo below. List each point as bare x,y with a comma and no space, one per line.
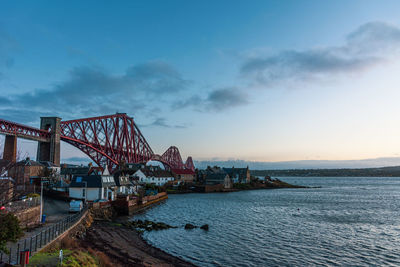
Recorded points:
55,210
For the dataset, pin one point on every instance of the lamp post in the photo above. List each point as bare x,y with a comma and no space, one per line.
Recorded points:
85,191
41,199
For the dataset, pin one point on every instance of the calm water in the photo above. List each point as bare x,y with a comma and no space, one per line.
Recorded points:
349,221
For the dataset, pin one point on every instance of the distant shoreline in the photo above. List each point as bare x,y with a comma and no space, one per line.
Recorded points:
345,172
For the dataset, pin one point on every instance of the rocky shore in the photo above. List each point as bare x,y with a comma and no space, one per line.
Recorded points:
125,246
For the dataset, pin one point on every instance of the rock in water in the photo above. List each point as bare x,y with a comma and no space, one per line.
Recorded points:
189,226
204,227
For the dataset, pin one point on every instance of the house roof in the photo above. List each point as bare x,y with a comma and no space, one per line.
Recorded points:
28,162
134,166
92,181
75,170
183,171
121,179
48,164
234,171
155,172
216,176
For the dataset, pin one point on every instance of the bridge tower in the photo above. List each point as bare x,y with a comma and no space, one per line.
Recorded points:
50,151
10,148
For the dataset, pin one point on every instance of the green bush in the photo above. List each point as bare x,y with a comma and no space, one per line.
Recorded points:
33,195
9,230
242,186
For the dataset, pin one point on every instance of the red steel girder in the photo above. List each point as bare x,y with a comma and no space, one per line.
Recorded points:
107,140
23,131
189,164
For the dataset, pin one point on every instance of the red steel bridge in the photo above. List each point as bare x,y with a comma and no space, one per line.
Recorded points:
107,140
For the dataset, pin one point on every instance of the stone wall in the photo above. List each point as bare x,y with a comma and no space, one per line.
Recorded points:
28,217
78,230
214,188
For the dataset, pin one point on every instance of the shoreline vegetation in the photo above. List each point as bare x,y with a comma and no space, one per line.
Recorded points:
255,184
111,240
393,171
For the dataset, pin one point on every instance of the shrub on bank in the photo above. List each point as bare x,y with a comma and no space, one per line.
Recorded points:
9,230
242,186
33,195
70,259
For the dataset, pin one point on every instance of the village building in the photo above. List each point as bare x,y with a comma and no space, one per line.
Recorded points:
184,175
53,168
123,183
153,175
133,166
68,171
219,178
23,171
93,187
238,175
6,190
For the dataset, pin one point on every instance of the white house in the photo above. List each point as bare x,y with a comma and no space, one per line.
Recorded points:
153,175
93,187
123,183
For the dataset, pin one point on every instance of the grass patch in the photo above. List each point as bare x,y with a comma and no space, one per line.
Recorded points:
71,259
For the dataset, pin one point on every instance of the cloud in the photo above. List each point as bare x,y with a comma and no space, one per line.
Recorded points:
365,47
91,91
22,115
216,101
222,99
162,122
8,46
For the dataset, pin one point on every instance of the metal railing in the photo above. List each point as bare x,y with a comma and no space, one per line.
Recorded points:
24,204
38,241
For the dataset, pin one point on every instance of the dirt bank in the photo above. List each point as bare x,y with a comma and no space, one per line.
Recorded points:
125,247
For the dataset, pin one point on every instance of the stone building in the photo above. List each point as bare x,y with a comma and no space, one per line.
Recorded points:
184,175
219,178
68,171
238,175
23,171
6,189
153,175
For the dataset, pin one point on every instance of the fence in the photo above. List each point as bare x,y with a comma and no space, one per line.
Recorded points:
36,242
24,204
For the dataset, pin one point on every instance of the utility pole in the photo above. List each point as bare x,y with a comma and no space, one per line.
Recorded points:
41,199
85,191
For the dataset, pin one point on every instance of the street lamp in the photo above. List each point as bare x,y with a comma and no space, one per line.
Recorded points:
41,200
85,191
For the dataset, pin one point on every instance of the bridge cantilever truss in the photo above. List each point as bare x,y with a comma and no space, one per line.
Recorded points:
23,131
107,140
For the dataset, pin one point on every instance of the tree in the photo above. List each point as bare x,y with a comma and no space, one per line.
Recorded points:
9,230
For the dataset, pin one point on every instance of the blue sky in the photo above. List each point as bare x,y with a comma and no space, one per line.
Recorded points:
249,80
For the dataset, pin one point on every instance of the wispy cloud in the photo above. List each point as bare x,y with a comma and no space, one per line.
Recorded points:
162,122
8,47
216,101
368,45
91,91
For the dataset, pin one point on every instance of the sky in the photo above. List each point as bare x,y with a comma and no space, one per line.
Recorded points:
221,80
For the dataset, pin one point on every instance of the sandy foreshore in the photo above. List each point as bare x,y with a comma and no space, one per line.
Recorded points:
125,247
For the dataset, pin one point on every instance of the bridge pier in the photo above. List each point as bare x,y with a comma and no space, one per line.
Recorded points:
10,148
50,151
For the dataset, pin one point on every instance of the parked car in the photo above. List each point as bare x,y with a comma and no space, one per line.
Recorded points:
75,206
